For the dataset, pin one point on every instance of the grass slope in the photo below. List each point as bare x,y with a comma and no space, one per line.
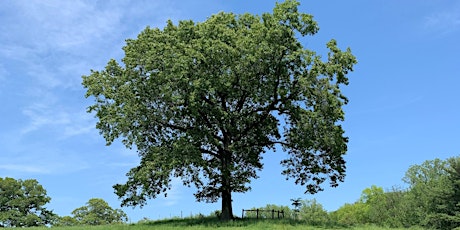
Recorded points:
213,223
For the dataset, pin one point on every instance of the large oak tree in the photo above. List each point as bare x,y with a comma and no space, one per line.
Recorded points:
204,101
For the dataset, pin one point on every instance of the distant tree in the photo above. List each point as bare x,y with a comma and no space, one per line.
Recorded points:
22,203
360,212
204,101
447,210
395,209
351,214
388,208
313,213
369,195
66,221
98,212
427,182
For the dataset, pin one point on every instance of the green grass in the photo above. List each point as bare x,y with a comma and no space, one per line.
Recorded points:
212,223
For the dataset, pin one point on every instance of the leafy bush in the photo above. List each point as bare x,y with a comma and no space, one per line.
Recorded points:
313,213
351,214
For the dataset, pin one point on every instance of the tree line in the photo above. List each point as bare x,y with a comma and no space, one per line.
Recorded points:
430,200
22,204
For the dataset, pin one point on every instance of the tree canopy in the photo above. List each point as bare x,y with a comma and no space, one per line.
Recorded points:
435,190
22,203
203,102
96,212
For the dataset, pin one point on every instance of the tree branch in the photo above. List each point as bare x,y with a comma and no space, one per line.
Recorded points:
266,111
207,100
210,152
209,125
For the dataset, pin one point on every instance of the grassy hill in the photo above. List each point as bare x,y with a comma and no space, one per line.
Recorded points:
212,223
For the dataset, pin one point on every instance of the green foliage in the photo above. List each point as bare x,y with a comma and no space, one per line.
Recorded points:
351,214
96,212
446,214
204,101
376,206
432,200
371,195
66,221
426,182
217,213
313,213
390,208
22,203
433,192
451,204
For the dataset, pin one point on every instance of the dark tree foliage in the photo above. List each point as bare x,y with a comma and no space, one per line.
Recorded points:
204,101
446,212
430,192
22,203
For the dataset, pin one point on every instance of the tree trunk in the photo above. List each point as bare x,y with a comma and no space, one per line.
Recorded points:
226,189
227,210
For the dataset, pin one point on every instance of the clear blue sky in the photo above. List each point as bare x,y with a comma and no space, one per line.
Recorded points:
404,97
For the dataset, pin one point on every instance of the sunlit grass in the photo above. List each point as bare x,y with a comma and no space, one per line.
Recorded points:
212,223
